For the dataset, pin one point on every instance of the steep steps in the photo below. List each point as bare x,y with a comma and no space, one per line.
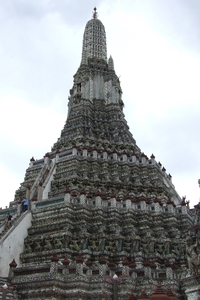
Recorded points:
12,242
16,219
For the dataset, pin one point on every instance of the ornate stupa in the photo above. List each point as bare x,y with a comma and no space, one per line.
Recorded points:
104,219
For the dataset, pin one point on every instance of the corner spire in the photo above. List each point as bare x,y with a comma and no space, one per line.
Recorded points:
110,63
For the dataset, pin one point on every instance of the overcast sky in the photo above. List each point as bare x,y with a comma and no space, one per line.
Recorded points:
155,45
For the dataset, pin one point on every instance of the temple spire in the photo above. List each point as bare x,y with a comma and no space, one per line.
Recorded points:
94,40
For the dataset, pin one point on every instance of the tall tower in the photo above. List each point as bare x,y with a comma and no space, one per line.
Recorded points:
102,211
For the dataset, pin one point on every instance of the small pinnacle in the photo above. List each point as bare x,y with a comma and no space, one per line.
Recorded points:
95,15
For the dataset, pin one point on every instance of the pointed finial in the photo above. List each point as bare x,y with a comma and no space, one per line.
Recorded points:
95,15
110,63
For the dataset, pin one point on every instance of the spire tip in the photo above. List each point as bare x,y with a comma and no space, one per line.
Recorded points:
95,14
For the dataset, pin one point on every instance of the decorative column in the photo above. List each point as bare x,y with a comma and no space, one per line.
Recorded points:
79,265
125,268
54,264
74,151
98,198
124,156
5,288
28,191
67,196
88,263
105,155
95,154
83,197
128,201
134,158
31,162
152,159
157,205
85,152
115,156
170,206
65,262
115,287
102,266
184,208
143,203
139,261
144,158
12,265
132,265
147,269
46,158
113,200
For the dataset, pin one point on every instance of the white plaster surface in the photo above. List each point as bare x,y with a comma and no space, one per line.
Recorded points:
13,245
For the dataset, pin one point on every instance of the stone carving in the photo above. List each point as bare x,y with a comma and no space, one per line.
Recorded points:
193,255
65,240
136,243
152,245
118,243
127,244
159,246
58,242
74,245
109,245
47,244
29,244
84,241
175,248
102,242
167,246
145,245
37,245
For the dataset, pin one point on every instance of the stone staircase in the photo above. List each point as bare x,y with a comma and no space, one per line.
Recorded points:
12,241
16,219
3,214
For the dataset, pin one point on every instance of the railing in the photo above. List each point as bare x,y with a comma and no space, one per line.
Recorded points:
3,215
49,202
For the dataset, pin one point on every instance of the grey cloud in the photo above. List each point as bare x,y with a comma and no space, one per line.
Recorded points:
174,140
178,19
72,12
